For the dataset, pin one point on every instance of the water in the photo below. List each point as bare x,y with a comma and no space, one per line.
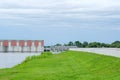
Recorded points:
8,60
105,51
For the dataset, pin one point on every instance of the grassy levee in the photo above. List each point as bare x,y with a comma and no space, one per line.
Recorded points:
69,65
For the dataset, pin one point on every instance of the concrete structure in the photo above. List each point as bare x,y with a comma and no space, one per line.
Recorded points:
58,48
21,46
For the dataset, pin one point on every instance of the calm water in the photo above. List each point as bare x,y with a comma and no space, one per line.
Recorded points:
8,60
105,51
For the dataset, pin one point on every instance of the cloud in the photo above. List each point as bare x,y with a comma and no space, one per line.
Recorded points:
58,4
62,13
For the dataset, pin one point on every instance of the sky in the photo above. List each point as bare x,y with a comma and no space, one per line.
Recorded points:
60,21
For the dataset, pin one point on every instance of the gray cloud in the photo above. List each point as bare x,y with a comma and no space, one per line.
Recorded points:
63,13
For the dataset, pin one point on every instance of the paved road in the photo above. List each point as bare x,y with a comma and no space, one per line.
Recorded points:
105,51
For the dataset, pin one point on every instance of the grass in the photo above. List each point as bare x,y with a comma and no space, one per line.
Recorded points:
69,65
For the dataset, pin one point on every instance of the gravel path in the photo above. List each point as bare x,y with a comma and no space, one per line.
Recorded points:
105,51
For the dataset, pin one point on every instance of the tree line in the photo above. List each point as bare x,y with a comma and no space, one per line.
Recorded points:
115,44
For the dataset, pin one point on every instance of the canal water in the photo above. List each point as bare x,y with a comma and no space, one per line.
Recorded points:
8,60
104,51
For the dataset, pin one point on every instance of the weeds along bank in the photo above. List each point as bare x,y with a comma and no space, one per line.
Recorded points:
69,65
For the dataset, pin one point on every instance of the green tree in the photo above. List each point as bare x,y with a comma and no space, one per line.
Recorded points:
78,44
58,44
65,44
95,44
85,44
70,43
116,44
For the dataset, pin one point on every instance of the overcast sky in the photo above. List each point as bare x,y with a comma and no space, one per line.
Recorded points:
60,21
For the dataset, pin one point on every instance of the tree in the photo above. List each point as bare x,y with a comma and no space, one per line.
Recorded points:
95,44
65,44
78,44
103,45
70,43
116,44
58,44
85,44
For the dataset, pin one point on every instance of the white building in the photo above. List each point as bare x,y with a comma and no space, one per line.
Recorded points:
21,46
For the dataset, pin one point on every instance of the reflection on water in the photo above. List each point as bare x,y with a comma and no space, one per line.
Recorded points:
8,60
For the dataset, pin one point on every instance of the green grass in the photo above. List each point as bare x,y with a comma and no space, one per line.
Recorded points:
69,65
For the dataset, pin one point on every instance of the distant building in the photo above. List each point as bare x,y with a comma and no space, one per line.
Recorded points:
21,46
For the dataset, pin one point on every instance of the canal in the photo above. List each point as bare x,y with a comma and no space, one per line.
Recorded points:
8,60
